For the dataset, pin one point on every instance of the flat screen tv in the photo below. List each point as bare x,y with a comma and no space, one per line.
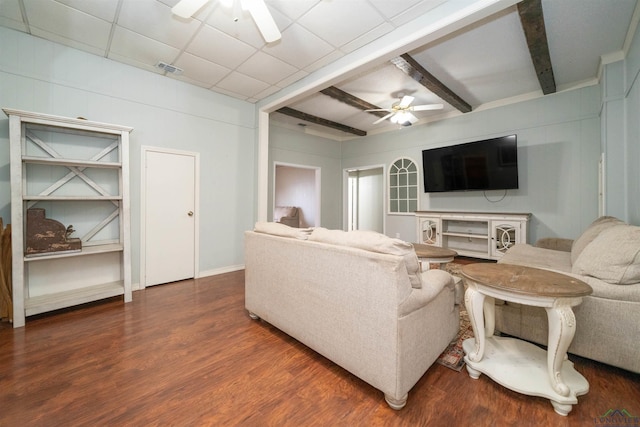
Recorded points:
490,164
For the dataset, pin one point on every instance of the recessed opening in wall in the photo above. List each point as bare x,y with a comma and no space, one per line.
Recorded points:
296,186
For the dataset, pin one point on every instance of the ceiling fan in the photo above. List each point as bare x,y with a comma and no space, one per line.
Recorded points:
257,8
400,112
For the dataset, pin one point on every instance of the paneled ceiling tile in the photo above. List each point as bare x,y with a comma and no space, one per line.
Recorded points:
340,22
141,49
218,47
266,68
103,9
268,91
325,60
399,12
11,23
67,42
186,79
10,15
368,37
292,79
299,47
242,85
293,9
223,91
134,62
201,70
47,15
242,26
155,20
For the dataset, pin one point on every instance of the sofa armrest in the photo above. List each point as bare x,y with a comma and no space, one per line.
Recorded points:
433,282
555,243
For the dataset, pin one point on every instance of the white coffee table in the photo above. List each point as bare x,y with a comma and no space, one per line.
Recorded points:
513,363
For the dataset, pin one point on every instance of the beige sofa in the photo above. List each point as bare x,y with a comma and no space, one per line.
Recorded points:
607,257
357,298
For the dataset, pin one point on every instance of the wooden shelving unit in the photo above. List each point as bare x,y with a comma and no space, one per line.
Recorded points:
78,171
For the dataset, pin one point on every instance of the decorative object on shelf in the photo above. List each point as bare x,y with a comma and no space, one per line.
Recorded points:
46,235
6,306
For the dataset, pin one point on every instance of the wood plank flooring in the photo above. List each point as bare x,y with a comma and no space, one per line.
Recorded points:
187,354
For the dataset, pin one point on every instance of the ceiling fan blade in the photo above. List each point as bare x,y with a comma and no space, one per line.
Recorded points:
380,109
410,118
263,19
186,8
426,107
382,119
406,101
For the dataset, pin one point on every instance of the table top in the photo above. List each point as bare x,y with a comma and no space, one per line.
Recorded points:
525,280
430,251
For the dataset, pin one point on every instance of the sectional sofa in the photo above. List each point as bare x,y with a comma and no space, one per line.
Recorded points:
607,257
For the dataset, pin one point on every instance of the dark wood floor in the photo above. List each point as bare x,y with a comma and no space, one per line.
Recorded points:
187,354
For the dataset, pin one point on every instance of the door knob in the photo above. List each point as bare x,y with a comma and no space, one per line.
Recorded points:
190,213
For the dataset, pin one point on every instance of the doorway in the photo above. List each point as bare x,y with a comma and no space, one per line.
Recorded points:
365,199
298,186
169,222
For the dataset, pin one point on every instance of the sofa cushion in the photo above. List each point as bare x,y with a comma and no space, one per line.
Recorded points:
284,211
613,256
373,242
282,230
592,231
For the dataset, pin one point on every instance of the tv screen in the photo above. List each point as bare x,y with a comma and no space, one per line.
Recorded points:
490,164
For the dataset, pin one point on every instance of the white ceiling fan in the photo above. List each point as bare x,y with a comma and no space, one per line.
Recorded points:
400,112
257,8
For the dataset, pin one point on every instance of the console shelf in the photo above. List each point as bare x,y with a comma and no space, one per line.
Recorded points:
485,235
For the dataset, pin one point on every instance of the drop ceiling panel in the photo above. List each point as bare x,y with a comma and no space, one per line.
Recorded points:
46,15
299,47
266,68
201,70
140,49
340,22
103,9
154,19
216,46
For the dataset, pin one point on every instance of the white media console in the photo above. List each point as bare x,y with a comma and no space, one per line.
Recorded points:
485,235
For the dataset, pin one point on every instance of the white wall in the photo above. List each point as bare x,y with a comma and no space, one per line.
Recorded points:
558,152
294,147
41,76
632,128
297,187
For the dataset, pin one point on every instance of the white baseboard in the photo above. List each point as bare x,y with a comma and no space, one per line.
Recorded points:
214,272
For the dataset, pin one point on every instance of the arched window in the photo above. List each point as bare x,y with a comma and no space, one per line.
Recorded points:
403,186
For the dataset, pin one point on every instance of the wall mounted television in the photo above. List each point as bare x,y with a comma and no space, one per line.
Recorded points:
490,164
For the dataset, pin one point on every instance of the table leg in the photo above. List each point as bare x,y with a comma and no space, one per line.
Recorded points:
562,328
474,302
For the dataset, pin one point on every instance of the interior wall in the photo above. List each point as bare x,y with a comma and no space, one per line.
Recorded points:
41,76
558,154
294,147
632,127
297,187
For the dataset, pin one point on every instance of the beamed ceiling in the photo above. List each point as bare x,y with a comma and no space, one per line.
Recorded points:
508,51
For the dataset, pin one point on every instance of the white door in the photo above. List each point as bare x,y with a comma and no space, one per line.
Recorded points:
169,217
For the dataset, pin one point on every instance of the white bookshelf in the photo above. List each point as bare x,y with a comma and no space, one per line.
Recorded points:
78,171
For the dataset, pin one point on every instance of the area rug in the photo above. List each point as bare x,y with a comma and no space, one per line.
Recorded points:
453,355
